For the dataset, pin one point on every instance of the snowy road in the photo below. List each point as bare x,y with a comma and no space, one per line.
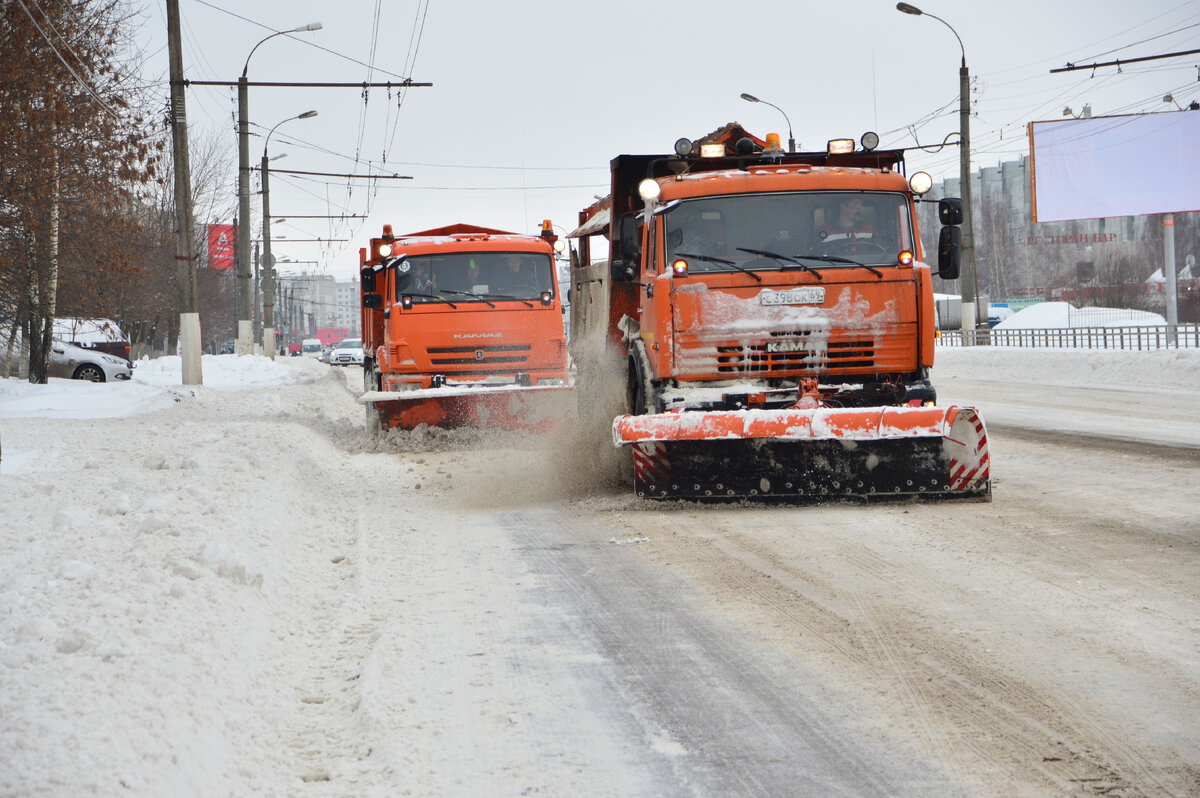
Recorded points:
250,597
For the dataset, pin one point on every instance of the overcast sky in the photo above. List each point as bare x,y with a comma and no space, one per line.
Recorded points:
531,98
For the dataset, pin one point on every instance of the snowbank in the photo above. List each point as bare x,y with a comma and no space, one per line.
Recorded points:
1062,315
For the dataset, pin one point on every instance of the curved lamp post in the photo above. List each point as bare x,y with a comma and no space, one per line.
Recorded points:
245,345
970,301
750,98
268,263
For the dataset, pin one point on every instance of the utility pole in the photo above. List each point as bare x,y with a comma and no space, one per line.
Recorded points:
245,342
256,312
970,264
268,260
185,233
1169,277
243,345
268,264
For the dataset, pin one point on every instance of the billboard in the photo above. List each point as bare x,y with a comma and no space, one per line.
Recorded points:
1107,166
220,246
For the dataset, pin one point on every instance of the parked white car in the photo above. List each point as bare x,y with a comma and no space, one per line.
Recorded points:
76,363
348,352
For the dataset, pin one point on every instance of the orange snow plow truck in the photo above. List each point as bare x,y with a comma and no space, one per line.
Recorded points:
773,323
462,326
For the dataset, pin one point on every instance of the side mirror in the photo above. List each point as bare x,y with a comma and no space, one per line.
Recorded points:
950,210
631,239
368,280
372,301
622,271
949,253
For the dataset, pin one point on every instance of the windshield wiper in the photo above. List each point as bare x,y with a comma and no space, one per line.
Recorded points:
722,261
775,256
507,296
836,259
467,293
430,296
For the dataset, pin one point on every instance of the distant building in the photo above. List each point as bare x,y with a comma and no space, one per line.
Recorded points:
308,302
1021,262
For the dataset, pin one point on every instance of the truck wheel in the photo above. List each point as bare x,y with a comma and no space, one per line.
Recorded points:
368,374
374,421
643,398
372,382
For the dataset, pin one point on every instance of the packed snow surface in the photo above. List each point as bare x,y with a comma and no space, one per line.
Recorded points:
174,622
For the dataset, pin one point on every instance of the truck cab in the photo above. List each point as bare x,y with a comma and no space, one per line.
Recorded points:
733,280
453,314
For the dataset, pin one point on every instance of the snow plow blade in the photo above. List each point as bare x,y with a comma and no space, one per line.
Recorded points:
511,407
810,454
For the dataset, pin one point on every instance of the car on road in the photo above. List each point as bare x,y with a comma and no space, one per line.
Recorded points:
348,352
311,347
76,363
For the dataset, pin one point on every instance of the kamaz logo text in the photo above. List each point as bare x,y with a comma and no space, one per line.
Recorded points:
479,335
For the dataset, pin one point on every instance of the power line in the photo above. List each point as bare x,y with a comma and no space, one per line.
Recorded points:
339,174
293,38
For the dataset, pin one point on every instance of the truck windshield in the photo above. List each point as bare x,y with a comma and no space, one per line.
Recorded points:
475,276
808,230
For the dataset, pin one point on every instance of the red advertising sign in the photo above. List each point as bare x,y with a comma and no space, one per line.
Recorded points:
220,246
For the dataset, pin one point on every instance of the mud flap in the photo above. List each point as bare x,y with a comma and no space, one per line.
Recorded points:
809,454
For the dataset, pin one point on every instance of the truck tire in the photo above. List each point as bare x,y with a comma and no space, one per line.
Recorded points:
643,397
372,382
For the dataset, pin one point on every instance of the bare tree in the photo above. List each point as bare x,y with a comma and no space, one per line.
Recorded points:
76,152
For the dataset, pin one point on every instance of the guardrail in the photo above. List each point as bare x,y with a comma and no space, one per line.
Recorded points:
1187,336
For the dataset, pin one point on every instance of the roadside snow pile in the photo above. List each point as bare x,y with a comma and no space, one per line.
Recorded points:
1062,315
1171,369
155,384
78,399
233,372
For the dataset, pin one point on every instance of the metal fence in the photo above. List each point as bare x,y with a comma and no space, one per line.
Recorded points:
1187,336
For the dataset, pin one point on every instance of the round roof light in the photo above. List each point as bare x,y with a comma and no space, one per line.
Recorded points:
385,249
560,246
869,140
920,183
649,190
683,147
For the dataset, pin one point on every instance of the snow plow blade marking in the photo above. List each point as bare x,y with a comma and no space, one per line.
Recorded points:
512,407
823,452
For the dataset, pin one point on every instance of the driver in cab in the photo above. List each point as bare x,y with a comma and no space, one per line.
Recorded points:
516,275
849,223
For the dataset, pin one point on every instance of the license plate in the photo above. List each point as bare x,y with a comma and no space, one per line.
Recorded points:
787,346
810,295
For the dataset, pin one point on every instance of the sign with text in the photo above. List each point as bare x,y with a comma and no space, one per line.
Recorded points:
1108,166
220,246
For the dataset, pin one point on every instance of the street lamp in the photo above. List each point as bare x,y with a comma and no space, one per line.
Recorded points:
268,263
245,344
970,311
750,98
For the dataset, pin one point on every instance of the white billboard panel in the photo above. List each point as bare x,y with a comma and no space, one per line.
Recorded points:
1115,166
